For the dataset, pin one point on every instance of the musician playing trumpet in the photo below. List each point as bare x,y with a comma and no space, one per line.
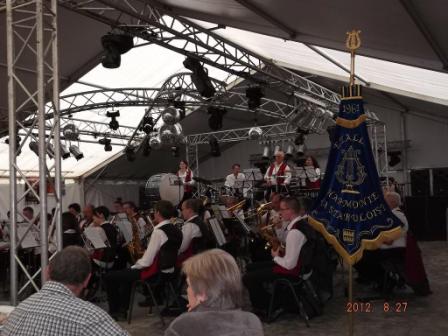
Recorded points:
288,263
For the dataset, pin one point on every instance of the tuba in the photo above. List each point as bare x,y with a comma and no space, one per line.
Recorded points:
135,248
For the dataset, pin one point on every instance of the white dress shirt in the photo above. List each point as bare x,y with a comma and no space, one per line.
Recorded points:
189,231
400,242
231,179
295,239
158,238
273,177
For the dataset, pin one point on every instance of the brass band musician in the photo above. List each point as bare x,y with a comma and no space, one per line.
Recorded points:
278,175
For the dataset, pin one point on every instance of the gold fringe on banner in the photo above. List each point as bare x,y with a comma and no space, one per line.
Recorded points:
371,244
351,123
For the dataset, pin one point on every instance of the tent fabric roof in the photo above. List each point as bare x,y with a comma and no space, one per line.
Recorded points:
395,34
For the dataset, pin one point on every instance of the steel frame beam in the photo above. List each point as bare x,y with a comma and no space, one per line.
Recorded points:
31,32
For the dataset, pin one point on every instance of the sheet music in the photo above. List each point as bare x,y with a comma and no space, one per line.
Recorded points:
240,216
217,231
31,239
253,174
125,227
96,236
223,211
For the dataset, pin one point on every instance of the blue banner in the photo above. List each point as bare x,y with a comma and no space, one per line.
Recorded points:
350,210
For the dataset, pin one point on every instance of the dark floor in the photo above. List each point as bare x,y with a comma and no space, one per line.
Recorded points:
423,315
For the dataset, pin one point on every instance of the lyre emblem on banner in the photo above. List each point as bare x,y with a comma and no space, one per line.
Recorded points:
353,41
350,171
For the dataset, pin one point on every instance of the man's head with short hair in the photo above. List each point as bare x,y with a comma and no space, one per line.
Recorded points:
74,208
393,199
190,208
100,214
214,279
88,211
130,208
71,267
164,210
236,168
279,156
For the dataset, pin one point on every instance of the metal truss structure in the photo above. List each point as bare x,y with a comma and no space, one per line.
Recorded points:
31,36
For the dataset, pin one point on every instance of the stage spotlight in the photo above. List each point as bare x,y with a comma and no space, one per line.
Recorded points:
18,139
254,95
70,132
214,147
130,153
216,116
180,105
114,46
155,142
76,152
255,133
148,124
175,151
146,148
113,124
290,151
170,115
266,152
199,77
301,137
394,158
34,147
65,154
301,150
107,144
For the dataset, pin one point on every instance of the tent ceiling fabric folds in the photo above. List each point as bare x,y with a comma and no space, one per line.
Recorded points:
404,53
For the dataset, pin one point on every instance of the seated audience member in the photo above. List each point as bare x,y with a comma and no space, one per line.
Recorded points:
160,256
194,231
214,299
287,264
369,267
57,308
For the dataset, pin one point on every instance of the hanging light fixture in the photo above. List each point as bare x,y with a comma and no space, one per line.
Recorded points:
76,152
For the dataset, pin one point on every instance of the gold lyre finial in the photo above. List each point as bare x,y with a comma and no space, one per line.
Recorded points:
353,42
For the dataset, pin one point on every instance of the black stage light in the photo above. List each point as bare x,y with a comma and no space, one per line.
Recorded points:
254,95
114,46
76,152
199,77
34,147
130,153
394,158
216,116
113,124
107,144
65,154
180,105
214,147
18,139
175,151
148,124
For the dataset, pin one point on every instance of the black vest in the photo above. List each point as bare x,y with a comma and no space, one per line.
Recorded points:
202,243
168,251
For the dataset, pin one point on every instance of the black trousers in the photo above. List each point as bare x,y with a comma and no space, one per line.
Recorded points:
258,275
369,267
118,287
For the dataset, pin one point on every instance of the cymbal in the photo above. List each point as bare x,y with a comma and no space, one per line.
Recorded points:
202,180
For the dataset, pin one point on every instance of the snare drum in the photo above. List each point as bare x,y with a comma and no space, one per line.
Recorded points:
165,187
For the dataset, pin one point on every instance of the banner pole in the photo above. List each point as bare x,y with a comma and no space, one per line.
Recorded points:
350,300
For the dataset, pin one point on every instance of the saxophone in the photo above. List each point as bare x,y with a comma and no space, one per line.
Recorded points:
135,246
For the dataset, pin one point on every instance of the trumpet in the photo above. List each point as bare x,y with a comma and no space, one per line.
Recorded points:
237,206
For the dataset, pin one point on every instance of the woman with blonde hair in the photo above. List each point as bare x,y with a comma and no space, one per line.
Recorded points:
214,299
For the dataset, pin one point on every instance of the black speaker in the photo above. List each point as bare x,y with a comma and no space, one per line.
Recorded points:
427,217
440,181
420,182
